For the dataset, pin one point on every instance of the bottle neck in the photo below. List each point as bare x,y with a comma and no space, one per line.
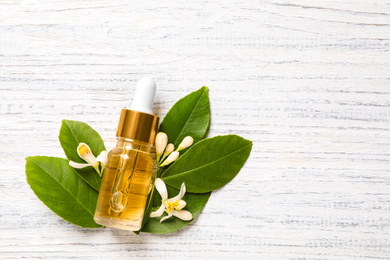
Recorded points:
137,126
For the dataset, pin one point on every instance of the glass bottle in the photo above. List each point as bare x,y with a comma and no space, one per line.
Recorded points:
128,175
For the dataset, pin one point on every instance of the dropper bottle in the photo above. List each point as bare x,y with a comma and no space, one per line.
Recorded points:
128,175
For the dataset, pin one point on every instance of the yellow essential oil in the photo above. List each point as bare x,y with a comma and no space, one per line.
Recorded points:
128,175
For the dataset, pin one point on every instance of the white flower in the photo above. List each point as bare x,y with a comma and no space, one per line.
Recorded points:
171,206
187,141
85,153
163,150
168,150
161,142
171,158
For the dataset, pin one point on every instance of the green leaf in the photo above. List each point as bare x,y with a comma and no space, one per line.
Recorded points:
210,164
58,186
90,176
71,134
190,116
195,204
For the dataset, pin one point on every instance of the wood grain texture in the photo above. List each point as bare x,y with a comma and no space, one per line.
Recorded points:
307,81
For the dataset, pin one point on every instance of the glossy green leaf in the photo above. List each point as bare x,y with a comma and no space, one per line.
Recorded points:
195,204
72,133
210,164
59,187
190,116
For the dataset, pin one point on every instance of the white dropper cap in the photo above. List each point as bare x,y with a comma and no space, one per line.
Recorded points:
144,96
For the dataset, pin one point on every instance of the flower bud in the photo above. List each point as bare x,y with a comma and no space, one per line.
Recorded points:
187,141
161,142
102,157
170,148
171,158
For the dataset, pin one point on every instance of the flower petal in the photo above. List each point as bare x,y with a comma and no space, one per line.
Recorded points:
182,214
79,165
166,217
158,212
180,195
182,204
102,157
85,153
161,188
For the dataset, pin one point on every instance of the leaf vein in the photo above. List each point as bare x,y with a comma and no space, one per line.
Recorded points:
188,118
207,164
79,202
74,135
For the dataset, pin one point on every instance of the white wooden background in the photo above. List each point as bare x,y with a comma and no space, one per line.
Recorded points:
307,81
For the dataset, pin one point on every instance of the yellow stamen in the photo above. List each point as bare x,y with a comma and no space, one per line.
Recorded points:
172,205
83,150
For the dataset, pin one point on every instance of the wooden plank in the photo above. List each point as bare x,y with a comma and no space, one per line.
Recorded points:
307,82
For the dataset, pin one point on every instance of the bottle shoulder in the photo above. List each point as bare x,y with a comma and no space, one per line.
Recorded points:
121,153
115,151
118,150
